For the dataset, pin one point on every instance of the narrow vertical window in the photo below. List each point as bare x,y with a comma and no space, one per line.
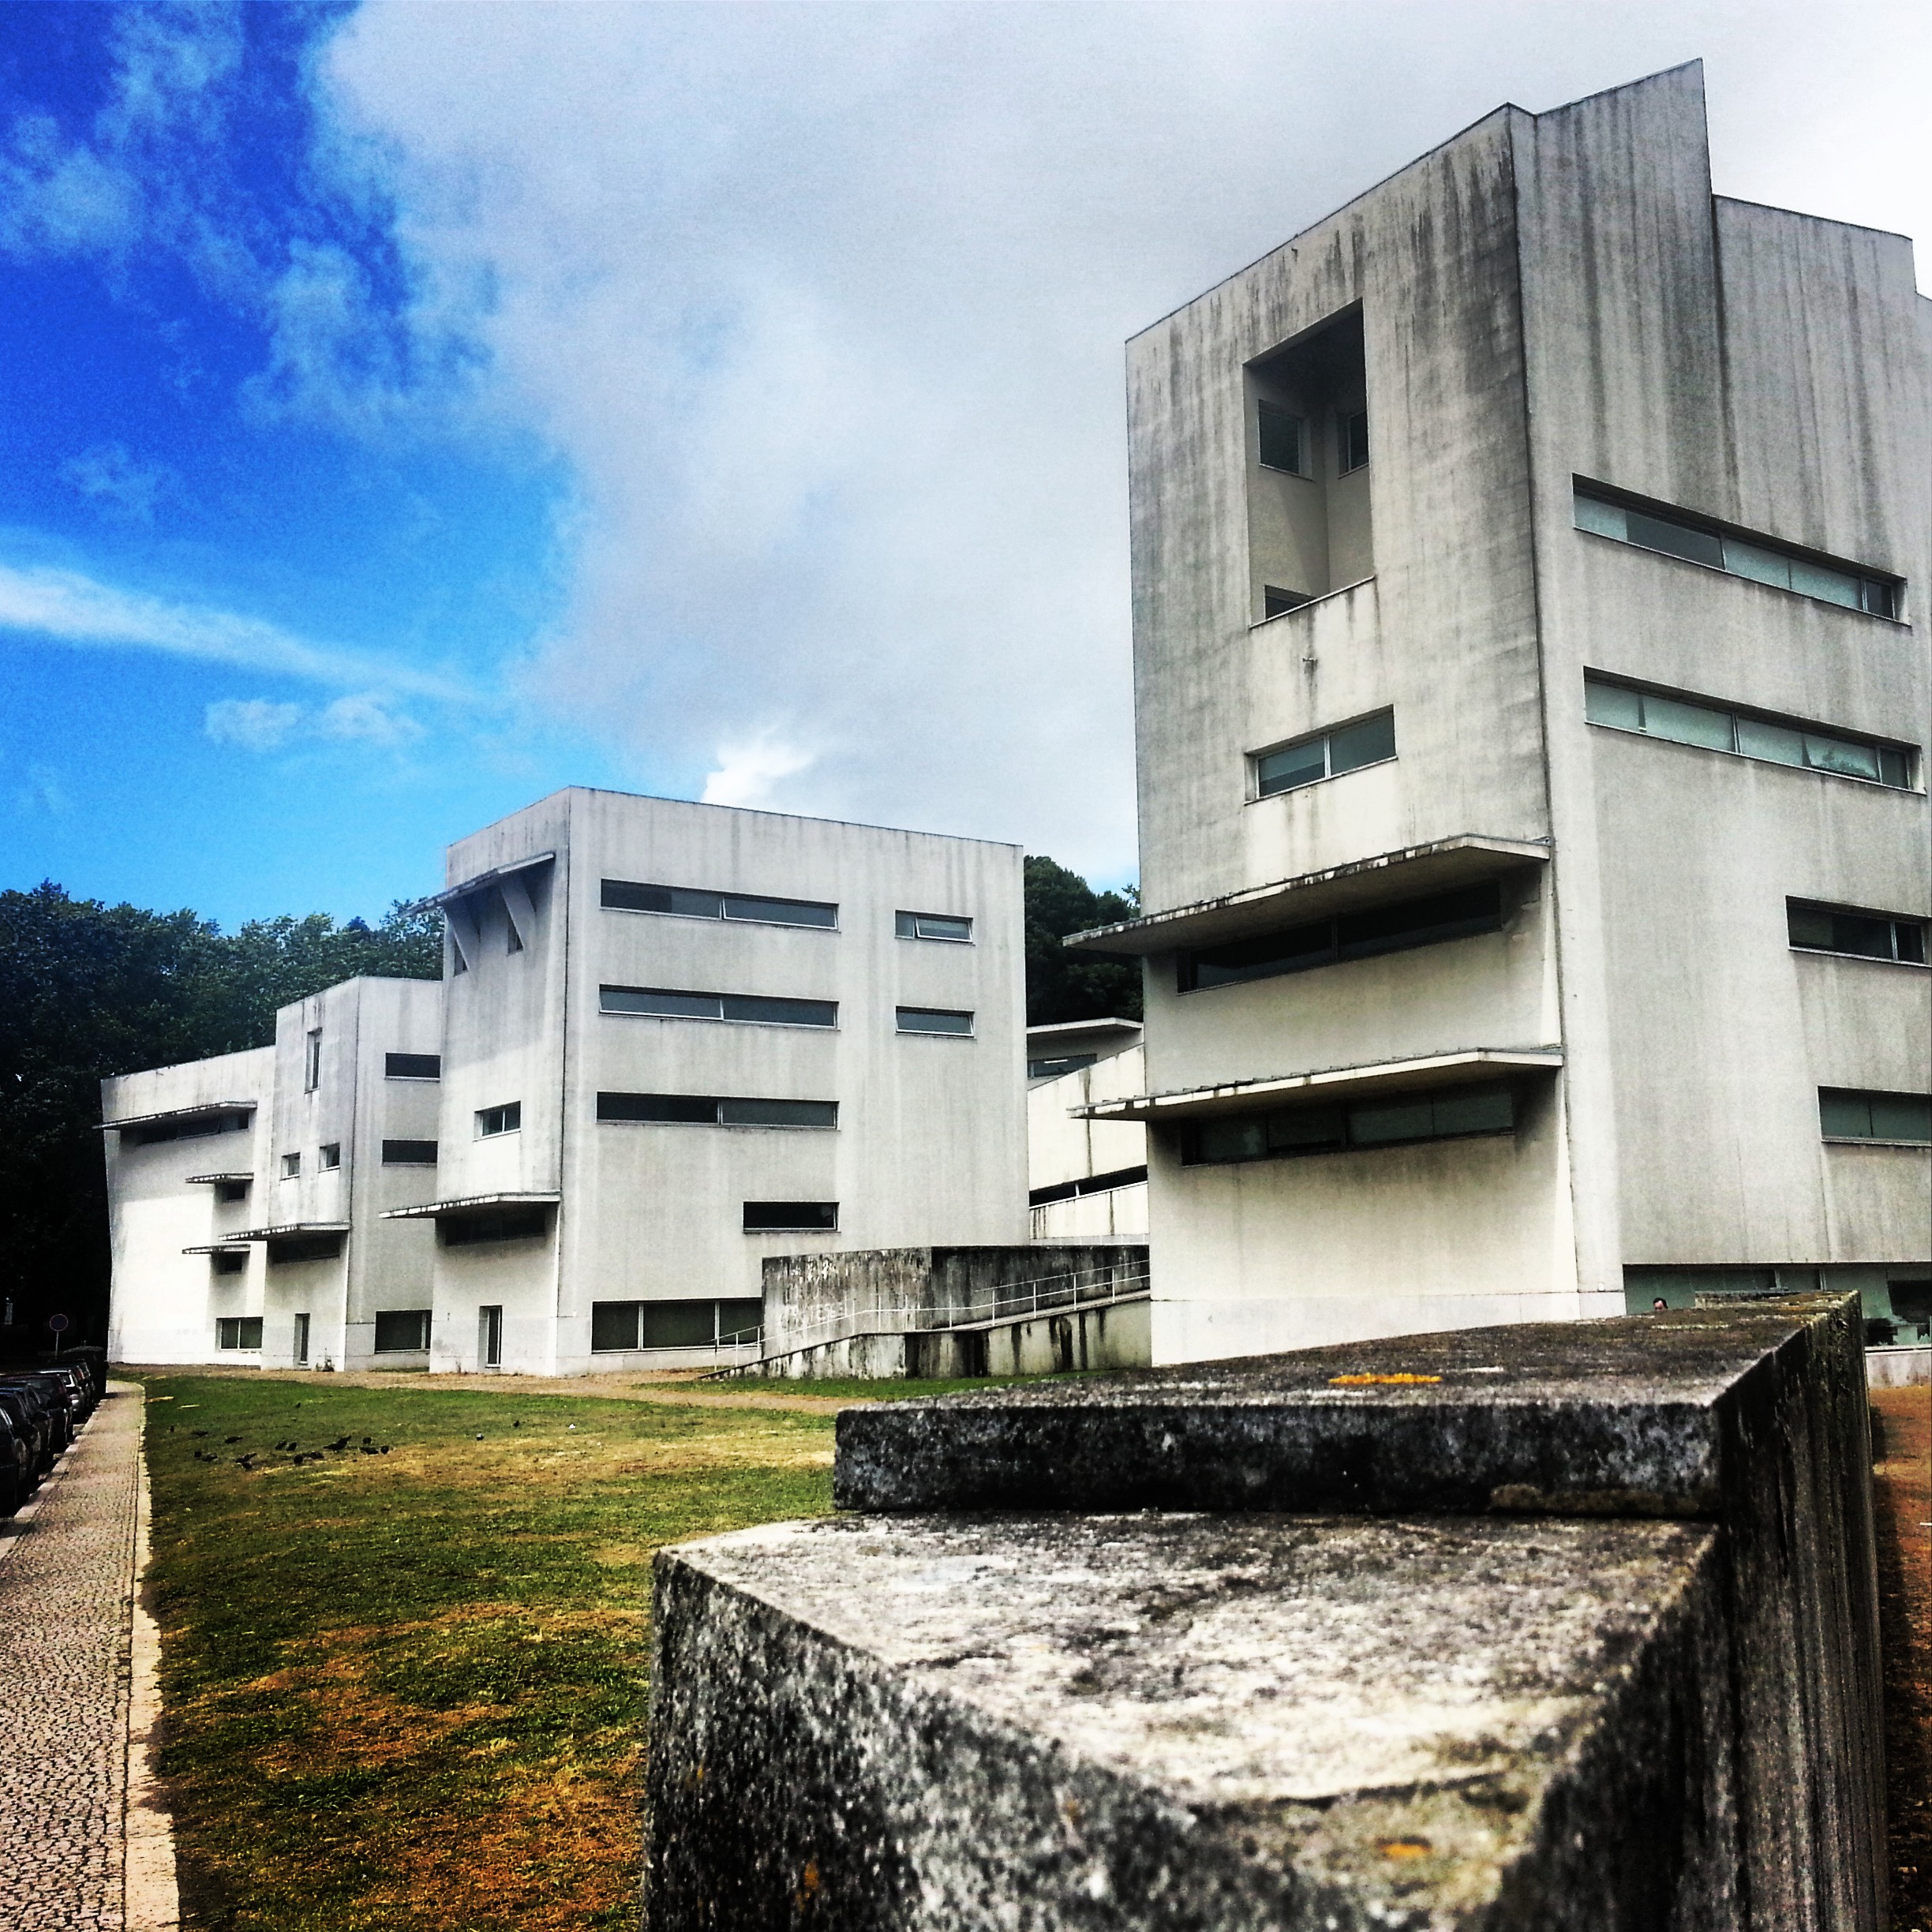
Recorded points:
1353,439
1280,437
312,1063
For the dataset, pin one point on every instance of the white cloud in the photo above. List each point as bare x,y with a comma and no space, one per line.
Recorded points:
72,608
367,716
748,770
110,473
254,723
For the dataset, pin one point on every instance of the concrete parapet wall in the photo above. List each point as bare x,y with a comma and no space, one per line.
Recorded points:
1566,1625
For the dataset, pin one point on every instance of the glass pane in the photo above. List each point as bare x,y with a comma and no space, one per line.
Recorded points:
1894,766
778,1113
1612,704
1420,922
1305,1129
1281,438
1299,765
1844,1115
1834,755
251,1332
780,1012
678,1325
793,1217
1294,950
921,1020
1606,519
1819,580
741,1317
1760,566
1368,742
1808,926
412,1066
1354,441
693,1110
1230,1141
613,1324
666,1006
1674,539
400,1330
779,911
1912,942
932,925
1686,724
906,924
1477,1109
1372,1122
1879,597
1778,744
1870,938
1276,602
1894,1117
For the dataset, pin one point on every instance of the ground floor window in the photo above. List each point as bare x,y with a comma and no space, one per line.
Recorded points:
619,1325
401,1331
238,1331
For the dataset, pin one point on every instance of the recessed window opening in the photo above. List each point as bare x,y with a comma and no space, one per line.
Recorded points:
713,1110
1450,1114
195,1127
791,1217
1065,1063
1763,560
329,1155
288,1247
412,1066
401,1331
748,1008
312,1061
230,1192
616,1326
1087,1183
689,902
1310,530
228,1261
492,1120
1797,743
500,1224
1846,1114
933,925
291,1167
1460,913
1858,936
1328,754
933,1020
408,1153
238,1331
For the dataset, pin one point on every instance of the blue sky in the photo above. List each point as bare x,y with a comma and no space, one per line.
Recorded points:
410,407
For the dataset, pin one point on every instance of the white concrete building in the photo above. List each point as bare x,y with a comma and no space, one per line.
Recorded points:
670,1039
1087,1177
1529,579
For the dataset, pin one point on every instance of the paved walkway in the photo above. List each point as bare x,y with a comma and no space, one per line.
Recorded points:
85,1848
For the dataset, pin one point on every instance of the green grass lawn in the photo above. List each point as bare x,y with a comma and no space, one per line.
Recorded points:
407,1689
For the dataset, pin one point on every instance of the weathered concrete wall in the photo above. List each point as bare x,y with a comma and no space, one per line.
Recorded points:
1584,1634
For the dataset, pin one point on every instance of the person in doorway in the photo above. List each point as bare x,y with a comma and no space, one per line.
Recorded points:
1658,1306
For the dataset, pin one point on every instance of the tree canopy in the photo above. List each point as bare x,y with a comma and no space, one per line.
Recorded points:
1060,985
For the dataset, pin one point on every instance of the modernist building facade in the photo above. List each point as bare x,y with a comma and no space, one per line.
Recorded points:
1532,692
1088,1178
670,1039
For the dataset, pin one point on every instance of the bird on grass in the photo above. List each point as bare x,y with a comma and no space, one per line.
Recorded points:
340,1443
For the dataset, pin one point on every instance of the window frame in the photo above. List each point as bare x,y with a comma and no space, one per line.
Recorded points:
311,1060
1346,1110
241,1327
969,1031
329,1157
392,1159
901,917
291,1167
1867,1096
1325,738
721,1017
426,1316
1894,921
1267,405
789,1227
390,1072
718,1102
724,916
512,1114
1345,426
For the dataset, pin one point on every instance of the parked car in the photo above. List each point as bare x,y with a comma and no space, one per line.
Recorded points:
16,1469
30,1421
51,1398
74,1381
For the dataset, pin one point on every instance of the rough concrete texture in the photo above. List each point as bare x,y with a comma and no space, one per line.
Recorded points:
1187,1722
1752,1417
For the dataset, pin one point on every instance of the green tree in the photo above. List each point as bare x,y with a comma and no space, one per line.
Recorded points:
1075,986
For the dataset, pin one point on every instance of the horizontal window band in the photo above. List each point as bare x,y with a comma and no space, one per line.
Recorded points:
713,1110
686,902
1088,1184
1354,1126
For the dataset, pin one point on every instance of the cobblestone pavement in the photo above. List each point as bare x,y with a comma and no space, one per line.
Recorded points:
66,1618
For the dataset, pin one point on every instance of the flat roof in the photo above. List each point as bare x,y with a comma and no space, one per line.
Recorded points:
468,1204
1072,1029
1460,1067
182,1112
1460,860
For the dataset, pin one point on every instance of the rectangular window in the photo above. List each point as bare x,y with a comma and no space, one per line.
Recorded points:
408,1153
1458,914
626,895
1281,442
1844,1115
311,1062
304,1247
712,1110
791,1217
1352,441
238,1331
1675,533
503,1224
195,1127
401,1331
230,1192
291,1166
500,1120
1859,936
933,925
1770,741
933,1020
228,1261
1052,1070
329,1155
756,1009
1370,741
622,1325
413,1066
1276,602
1452,1112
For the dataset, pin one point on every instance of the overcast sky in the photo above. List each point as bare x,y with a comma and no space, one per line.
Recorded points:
412,408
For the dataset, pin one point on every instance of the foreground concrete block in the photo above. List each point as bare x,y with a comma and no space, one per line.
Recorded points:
1185,1722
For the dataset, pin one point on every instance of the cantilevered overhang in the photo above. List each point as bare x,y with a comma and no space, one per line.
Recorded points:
1464,1067
217,1179
219,1247
288,1228
1462,860
492,877
468,1203
175,1113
